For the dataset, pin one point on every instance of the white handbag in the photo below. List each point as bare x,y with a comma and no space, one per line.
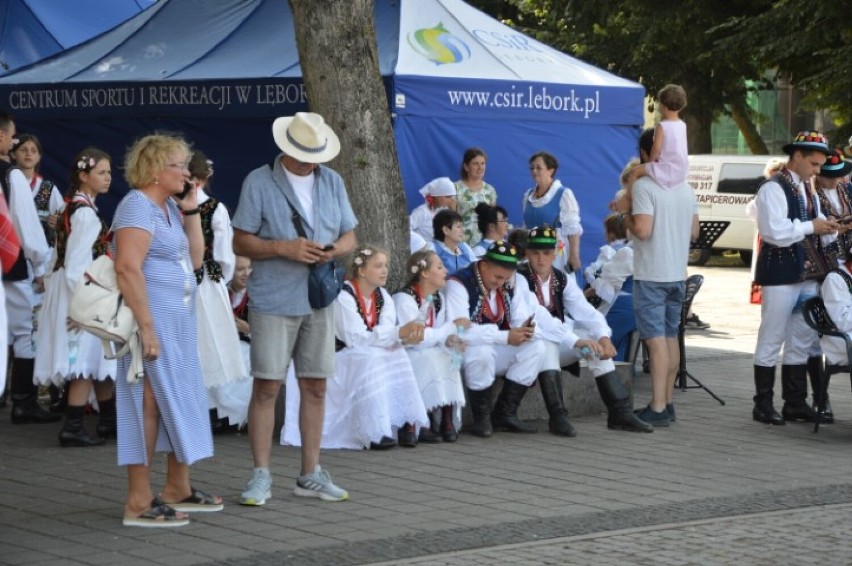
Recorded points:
98,308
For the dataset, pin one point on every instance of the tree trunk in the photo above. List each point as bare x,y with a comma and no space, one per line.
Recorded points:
742,118
337,51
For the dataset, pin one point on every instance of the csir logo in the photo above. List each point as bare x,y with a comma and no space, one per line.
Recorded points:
438,45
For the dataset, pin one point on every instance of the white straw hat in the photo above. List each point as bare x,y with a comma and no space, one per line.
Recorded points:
306,137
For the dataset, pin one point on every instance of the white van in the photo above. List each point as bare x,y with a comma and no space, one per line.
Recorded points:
723,185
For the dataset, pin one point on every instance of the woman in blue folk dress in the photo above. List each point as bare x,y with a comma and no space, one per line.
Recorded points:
159,245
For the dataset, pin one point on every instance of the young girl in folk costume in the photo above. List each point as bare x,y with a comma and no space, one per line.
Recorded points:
610,287
26,152
66,353
669,159
440,383
48,199
228,386
374,390
439,193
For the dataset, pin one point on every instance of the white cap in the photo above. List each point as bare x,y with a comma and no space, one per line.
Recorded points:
440,187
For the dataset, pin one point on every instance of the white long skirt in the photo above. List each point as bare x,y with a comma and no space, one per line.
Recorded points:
373,394
218,341
52,361
232,399
440,384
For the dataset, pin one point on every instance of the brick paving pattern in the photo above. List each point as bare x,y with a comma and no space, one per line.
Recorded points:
63,506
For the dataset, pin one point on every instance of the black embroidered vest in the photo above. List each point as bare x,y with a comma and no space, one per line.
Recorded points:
42,202
63,230
209,265
19,269
777,265
557,283
469,278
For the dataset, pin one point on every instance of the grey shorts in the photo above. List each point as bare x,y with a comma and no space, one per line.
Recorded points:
657,308
306,340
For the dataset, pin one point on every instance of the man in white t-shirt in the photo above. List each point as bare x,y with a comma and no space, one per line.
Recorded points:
663,222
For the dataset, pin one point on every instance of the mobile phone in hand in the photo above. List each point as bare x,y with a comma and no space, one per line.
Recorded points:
328,248
187,186
529,323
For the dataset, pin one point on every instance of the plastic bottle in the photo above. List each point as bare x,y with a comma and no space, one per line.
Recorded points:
587,353
73,341
456,351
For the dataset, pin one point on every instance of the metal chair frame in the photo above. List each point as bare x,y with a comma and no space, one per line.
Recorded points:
817,317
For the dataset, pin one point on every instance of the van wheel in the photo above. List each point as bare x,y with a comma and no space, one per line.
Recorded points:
745,257
698,257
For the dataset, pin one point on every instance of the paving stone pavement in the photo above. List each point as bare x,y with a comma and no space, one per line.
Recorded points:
758,539
63,506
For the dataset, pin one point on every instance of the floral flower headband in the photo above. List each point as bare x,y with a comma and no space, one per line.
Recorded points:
419,267
85,163
361,256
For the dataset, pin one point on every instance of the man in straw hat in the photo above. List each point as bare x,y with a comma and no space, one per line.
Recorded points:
500,339
572,328
788,213
274,200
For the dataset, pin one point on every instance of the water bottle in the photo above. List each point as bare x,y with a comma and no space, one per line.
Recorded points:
587,354
73,340
423,313
456,352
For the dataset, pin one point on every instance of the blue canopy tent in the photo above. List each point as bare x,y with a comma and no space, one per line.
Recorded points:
456,78
31,30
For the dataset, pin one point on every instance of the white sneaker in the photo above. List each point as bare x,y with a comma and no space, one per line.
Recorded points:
318,484
258,488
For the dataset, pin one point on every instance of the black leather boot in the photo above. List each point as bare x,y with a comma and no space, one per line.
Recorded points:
480,406
505,414
106,418
764,383
794,387
58,397
550,382
814,370
406,436
25,407
73,432
448,428
619,408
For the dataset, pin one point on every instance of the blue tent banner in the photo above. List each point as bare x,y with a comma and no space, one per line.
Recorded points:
455,79
260,97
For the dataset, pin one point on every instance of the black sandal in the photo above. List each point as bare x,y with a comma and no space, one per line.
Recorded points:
160,515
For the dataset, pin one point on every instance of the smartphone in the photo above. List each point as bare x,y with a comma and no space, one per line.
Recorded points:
529,322
328,247
187,186
845,220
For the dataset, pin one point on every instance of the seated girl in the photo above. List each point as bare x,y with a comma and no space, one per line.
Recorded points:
449,241
493,224
438,377
610,288
374,392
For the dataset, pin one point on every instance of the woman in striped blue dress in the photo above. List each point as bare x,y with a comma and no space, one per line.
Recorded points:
158,245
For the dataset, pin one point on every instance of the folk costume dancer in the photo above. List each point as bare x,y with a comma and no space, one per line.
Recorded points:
835,195
787,213
568,323
18,283
501,339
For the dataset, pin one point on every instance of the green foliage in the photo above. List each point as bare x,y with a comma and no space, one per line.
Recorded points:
718,50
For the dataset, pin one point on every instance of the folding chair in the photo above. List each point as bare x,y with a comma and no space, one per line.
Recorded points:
817,318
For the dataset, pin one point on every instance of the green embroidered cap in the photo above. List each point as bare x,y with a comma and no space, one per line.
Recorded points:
542,238
502,253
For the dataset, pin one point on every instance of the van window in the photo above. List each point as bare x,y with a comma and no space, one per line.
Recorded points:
740,178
